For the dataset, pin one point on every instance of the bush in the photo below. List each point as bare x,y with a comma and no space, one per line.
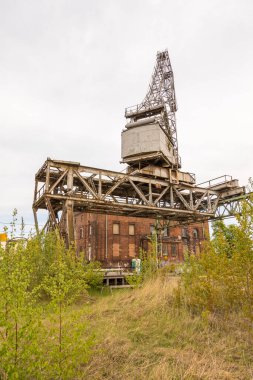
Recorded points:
32,346
220,279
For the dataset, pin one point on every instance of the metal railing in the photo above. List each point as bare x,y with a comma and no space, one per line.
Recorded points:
226,178
139,107
41,191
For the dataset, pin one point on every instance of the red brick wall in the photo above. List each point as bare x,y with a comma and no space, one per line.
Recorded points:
94,236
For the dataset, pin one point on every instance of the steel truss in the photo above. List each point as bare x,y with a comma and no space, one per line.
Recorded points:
160,101
63,188
234,206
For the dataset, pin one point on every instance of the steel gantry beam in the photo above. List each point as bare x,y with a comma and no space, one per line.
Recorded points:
63,188
232,207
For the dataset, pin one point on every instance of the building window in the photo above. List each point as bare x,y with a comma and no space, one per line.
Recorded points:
115,249
195,233
131,250
90,229
165,231
89,254
184,233
81,233
131,229
165,249
174,250
152,229
115,228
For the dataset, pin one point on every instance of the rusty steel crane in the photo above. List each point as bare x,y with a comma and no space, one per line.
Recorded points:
153,186
158,107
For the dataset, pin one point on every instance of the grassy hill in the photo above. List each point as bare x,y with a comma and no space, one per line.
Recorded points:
141,334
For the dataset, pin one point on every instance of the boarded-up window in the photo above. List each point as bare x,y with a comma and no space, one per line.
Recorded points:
174,250
115,228
115,249
131,249
131,229
165,231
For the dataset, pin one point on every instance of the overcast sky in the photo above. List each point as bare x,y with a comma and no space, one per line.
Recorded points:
69,68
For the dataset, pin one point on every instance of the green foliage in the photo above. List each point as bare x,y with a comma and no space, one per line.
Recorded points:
39,277
220,279
149,265
64,283
18,316
66,344
93,276
170,269
65,278
43,252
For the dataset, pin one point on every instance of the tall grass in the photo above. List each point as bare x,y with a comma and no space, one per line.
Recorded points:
198,326
142,335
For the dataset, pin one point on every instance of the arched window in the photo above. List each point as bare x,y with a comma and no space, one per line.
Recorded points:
195,233
184,232
165,231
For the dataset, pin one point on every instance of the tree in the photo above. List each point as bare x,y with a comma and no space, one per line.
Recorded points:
220,279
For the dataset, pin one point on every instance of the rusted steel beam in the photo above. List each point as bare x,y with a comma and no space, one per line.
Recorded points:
233,207
70,187
115,175
90,203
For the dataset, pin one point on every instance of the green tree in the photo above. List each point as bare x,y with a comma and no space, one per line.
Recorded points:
220,279
65,283
18,317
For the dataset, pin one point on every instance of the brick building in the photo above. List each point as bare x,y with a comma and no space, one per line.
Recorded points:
115,240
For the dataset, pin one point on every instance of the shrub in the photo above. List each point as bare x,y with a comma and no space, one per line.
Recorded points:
221,278
32,346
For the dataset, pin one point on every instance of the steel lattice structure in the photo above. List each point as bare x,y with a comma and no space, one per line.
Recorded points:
160,101
233,206
64,188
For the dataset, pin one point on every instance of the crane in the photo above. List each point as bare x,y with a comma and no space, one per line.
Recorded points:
159,106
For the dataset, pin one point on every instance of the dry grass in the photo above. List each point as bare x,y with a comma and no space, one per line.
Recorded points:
141,335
